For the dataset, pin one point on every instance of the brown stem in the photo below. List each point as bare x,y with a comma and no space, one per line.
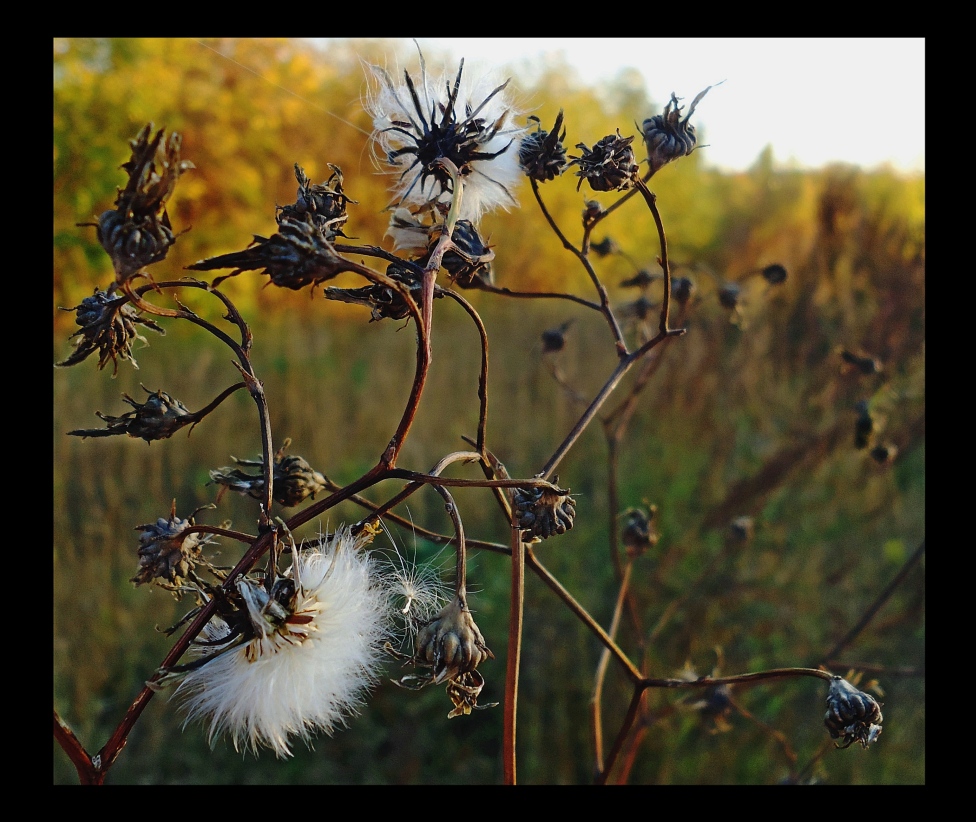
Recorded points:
483,378
651,200
582,614
601,671
516,606
545,295
625,726
581,255
88,772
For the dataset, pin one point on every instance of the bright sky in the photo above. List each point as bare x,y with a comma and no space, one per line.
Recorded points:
815,100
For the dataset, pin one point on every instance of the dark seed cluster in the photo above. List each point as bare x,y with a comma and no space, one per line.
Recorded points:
294,479
158,418
469,261
138,232
542,154
609,166
669,136
852,715
165,555
383,301
544,512
108,325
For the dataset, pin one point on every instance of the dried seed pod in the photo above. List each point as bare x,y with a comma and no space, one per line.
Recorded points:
639,310
642,279
385,302
682,289
166,557
158,418
544,512
108,324
299,254
605,247
294,479
852,715
741,530
554,339
469,261
138,232
609,166
668,136
728,296
324,204
591,211
862,362
774,274
451,643
884,454
542,154
638,534
863,426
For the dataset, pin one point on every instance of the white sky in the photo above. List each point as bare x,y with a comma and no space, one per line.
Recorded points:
815,100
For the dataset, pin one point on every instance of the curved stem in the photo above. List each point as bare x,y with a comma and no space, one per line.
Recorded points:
483,377
581,255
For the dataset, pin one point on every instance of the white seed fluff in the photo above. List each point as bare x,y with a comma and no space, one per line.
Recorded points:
305,678
397,123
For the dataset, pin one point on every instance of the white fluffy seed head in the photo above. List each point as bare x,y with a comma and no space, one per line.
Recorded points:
304,678
398,123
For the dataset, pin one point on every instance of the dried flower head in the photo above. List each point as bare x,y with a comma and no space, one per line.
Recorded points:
884,454
383,301
469,260
451,643
543,511
852,715
638,310
682,289
158,418
472,125
323,205
299,254
863,425
138,232
642,279
167,556
862,363
741,530
295,660
638,533
605,247
609,166
108,325
554,339
293,478
542,154
592,210
669,136
452,647
728,295
774,274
